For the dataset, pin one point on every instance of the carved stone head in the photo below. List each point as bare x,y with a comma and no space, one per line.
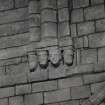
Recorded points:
54,56
43,58
32,61
68,56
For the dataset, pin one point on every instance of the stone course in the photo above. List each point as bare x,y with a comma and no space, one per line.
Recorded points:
52,52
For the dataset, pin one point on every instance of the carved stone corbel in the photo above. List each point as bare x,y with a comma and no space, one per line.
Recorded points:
43,58
32,57
54,56
68,56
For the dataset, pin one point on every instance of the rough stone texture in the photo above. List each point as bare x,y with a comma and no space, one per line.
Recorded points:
57,96
33,99
95,12
23,89
77,15
74,29
80,92
89,56
44,86
80,3
18,100
85,28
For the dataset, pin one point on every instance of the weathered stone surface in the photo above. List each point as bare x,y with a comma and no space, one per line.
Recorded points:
44,86
35,34
57,96
77,15
38,76
101,56
97,40
85,28
93,78
70,82
48,4
48,15
6,92
95,12
33,99
80,3
100,25
63,29
73,30
13,15
74,102
23,89
16,40
34,20
96,87
34,6
89,56
21,3
4,101
18,100
80,69
80,92
56,72
97,1
63,14
17,69
6,4
49,30
62,3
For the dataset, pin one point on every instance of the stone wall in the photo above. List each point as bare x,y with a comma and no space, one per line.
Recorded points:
52,52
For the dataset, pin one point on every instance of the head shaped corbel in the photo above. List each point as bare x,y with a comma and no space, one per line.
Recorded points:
43,58
54,56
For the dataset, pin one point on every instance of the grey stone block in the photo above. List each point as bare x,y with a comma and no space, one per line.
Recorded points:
16,40
44,86
13,15
96,87
18,100
89,56
6,4
34,7
80,3
63,14
77,15
35,34
80,92
97,40
33,99
95,12
85,28
70,82
48,15
48,4
17,69
4,101
23,89
49,30
21,3
97,1
57,96
73,102
63,29
73,30
101,56
62,3
100,25
34,20
94,78
38,76
7,92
